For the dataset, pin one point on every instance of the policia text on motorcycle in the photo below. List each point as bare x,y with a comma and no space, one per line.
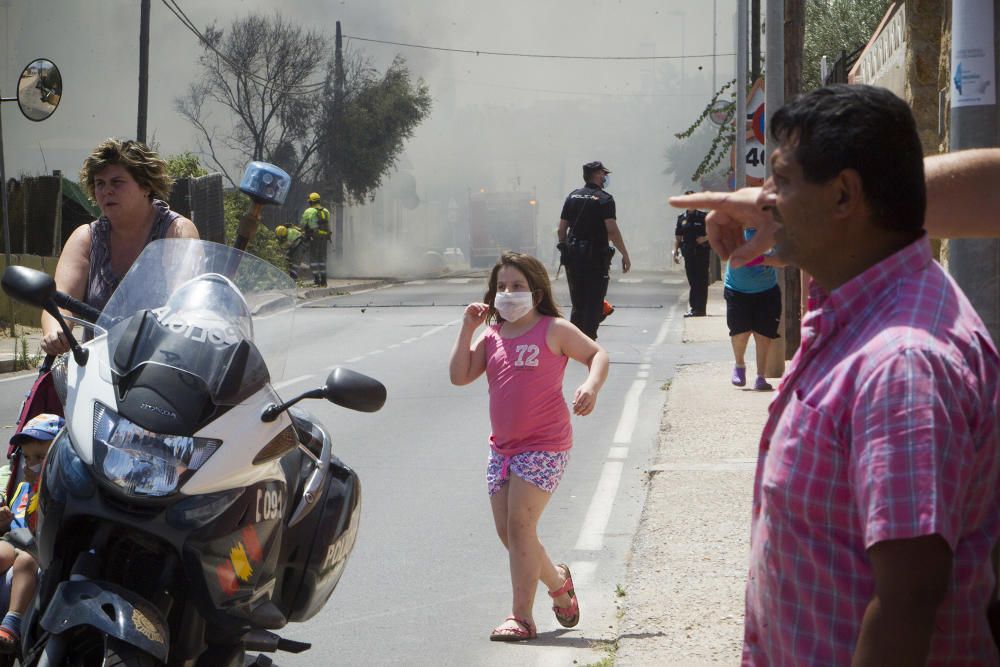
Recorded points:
586,226
691,242
316,224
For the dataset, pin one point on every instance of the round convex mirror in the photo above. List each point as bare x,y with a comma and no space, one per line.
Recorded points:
39,89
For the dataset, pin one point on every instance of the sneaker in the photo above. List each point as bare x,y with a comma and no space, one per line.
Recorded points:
608,309
762,385
739,376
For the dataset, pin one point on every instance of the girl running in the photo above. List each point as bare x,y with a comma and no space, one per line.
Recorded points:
524,352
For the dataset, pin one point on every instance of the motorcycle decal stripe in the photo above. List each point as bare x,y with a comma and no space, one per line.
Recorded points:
252,544
227,578
241,564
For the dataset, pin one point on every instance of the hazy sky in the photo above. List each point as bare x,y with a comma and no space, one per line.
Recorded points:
531,119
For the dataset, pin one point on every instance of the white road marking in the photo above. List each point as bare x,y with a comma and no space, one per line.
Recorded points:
20,377
644,367
394,346
289,383
416,282
459,281
411,340
354,360
642,374
630,281
374,352
618,453
630,413
665,327
599,513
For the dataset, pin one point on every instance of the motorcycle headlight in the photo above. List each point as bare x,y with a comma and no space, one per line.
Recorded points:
143,463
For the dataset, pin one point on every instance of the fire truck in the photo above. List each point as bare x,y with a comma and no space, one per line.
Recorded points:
500,221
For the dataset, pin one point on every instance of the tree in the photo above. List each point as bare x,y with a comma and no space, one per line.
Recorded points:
379,114
262,71
833,26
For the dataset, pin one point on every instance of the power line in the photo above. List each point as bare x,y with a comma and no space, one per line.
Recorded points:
509,54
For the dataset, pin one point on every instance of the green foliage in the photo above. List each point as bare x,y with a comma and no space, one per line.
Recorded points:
380,113
265,244
833,26
185,165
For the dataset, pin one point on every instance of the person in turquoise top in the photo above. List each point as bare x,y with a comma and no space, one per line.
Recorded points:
316,223
753,306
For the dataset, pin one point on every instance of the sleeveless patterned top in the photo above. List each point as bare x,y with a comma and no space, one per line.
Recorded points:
101,279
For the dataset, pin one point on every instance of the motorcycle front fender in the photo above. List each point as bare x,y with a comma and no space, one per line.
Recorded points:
111,610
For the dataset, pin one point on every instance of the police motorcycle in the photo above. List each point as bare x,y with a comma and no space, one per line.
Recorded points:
186,512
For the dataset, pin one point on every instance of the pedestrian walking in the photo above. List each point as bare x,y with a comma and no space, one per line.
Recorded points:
691,242
316,223
523,352
753,307
876,500
588,222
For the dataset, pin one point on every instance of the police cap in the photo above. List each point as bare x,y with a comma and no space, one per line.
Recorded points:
596,165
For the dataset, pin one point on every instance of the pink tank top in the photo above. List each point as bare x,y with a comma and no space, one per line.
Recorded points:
527,408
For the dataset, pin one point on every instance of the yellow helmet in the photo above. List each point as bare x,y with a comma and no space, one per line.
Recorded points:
281,231
314,197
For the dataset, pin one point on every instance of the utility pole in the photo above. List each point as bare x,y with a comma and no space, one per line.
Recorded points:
715,34
338,120
755,39
140,133
975,263
774,99
794,33
741,93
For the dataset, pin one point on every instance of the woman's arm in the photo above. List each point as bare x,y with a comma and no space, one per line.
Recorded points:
468,361
71,278
567,340
182,228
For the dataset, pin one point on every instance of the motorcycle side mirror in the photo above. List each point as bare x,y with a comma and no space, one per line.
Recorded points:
34,288
38,289
354,391
39,90
346,388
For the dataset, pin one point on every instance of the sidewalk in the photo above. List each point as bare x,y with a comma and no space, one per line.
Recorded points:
683,601
10,349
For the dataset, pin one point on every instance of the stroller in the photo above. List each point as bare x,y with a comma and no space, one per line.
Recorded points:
41,398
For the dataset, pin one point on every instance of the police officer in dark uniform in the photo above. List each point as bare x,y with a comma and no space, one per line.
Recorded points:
691,241
586,226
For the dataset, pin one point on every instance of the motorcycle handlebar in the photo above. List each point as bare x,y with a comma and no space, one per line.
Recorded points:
85,311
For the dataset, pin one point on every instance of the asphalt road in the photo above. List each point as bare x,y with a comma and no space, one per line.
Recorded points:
429,578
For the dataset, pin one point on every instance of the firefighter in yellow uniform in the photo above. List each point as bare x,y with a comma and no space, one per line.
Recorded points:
316,224
294,243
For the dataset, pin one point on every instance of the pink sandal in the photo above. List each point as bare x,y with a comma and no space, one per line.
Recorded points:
9,642
569,616
522,632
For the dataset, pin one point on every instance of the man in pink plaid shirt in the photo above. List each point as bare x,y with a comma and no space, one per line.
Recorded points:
876,500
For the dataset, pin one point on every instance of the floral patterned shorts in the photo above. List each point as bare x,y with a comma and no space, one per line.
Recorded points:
543,469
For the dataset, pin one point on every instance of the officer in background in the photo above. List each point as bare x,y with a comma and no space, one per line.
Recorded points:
691,241
294,242
588,222
316,223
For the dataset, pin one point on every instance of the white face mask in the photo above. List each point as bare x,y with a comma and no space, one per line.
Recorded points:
512,306
35,469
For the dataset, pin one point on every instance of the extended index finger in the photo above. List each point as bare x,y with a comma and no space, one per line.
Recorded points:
707,200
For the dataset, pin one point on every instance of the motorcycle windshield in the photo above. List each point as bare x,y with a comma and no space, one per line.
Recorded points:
206,309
